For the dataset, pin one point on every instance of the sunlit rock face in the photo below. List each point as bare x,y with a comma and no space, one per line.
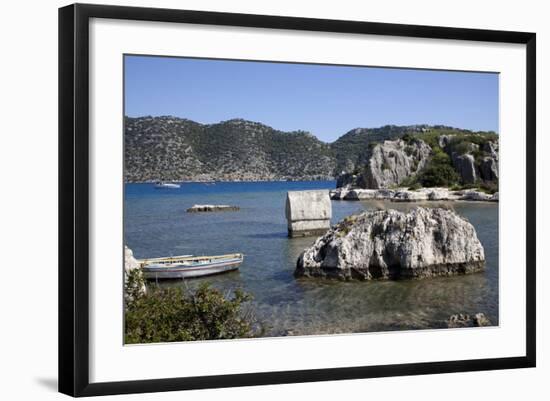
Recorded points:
389,244
392,162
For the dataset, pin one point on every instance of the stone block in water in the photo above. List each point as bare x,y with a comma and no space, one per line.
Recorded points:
308,213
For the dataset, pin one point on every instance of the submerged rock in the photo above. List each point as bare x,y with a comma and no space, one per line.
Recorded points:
461,320
212,208
389,244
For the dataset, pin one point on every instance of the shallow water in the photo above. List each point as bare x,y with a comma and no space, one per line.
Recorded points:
156,224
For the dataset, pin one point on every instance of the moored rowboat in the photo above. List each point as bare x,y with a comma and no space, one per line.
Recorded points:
186,266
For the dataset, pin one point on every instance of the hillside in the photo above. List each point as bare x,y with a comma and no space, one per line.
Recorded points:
176,149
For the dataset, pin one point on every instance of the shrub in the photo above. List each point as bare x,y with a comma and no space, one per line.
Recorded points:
408,138
439,172
489,187
174,314
460,145
134,286
438,175
409,181
372,144
440,157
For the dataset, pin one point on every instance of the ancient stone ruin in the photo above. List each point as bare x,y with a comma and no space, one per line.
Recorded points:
308,212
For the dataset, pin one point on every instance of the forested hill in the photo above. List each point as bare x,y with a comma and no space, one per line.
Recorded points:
176,149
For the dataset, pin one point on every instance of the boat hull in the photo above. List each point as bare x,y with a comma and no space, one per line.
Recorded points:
167,186
176,273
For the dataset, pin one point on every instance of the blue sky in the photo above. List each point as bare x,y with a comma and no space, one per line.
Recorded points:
327,101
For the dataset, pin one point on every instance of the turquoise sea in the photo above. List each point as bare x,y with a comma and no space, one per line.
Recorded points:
156,224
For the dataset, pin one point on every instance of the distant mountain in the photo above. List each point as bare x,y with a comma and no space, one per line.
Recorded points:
176,149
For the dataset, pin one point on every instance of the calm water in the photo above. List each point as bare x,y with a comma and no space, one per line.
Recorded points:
156,224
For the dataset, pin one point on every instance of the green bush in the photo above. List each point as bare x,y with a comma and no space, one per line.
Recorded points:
489,187
439,157
133,286
408,138
174,314
409,181
436,175
460,146
439,172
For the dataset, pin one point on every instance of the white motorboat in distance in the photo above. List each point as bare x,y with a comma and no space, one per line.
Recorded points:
166,185
181,267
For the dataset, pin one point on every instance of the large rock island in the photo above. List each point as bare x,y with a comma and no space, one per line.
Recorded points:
389,244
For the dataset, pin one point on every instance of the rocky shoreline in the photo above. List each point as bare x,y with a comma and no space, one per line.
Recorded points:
408,195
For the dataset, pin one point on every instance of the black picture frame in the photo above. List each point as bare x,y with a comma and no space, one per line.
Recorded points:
74,198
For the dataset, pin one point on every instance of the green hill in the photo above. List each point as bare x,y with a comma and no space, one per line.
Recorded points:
176,149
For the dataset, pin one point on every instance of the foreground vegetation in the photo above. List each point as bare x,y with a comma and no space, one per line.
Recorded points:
176,314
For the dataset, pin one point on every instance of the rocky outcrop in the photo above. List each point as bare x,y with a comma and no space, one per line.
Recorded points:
444,141
366,194
391,162
489,169
308,212
462,320
491,148
389,244
466,167
212,208
407,195
471,169
348,180
131,265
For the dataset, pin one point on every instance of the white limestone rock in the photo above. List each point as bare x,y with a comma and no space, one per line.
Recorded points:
389,244
466,167
393,161
131,264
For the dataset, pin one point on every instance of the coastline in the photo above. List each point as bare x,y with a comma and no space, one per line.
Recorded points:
208,181
400,194
407,195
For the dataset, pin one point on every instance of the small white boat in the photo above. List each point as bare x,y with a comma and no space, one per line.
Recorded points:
186,266
167,185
